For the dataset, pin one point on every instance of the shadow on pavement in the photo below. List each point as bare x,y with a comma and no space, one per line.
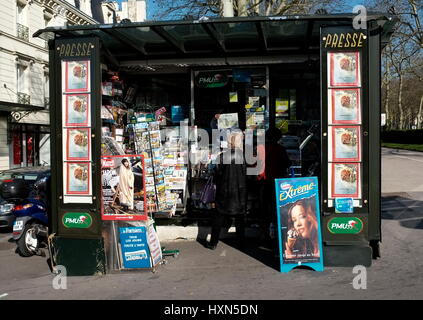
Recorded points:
409,212
251,248
251,245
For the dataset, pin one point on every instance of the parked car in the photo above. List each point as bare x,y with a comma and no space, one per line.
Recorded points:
34,183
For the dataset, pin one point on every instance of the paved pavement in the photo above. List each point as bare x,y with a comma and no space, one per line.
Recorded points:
229,273
402,171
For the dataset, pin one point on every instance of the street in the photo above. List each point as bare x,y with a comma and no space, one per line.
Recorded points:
228,273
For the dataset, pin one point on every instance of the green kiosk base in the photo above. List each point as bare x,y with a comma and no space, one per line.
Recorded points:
80,257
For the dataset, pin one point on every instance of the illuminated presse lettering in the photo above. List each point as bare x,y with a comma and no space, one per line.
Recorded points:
344,40
75,49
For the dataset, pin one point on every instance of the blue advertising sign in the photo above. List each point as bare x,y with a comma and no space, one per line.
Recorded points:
299,232
177,114
241,75
135,251
344,205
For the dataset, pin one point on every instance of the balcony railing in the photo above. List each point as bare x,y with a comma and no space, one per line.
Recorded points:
23,32
24,98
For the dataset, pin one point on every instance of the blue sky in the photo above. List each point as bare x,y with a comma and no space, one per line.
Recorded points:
152,7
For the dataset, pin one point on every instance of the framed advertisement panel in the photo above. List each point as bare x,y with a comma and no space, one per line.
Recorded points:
123,188
344,106
76,76
345,180
77,144
345,144
344,115
77,110
77,178
299,230
344,69
76,114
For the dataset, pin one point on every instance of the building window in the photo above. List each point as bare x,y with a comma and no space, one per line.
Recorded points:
21,79
21,23
30,145
46,90
22,84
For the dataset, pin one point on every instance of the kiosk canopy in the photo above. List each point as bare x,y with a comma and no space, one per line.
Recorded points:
215,37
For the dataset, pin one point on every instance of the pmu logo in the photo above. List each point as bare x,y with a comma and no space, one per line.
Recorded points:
77,220
345,225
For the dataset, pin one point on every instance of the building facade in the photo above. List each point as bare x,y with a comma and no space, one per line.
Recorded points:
109,12
134,10
24,76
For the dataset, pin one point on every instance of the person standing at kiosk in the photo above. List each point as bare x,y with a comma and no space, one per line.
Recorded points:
231,191
276,163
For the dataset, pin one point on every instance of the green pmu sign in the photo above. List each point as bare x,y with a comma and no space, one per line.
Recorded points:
345,225
211,79
77,220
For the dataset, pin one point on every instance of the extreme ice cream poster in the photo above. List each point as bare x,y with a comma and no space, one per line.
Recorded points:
299,232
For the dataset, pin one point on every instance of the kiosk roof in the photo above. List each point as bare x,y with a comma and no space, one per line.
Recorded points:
215,37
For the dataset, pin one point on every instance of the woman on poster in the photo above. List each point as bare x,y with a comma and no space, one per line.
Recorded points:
126,185
302,235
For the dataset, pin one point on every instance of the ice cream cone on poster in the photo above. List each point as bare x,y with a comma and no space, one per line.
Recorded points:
291,242
292,239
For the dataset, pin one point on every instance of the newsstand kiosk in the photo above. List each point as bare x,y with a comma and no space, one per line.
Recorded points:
330,69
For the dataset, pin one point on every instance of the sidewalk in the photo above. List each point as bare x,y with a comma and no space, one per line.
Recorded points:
225,273
252,274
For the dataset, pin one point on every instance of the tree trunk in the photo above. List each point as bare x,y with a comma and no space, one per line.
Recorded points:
387,110
257,7
268,8
388,88
242,8
227,8
401,108
420,115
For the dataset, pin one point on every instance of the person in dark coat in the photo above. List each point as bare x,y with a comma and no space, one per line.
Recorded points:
276,165
231,191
